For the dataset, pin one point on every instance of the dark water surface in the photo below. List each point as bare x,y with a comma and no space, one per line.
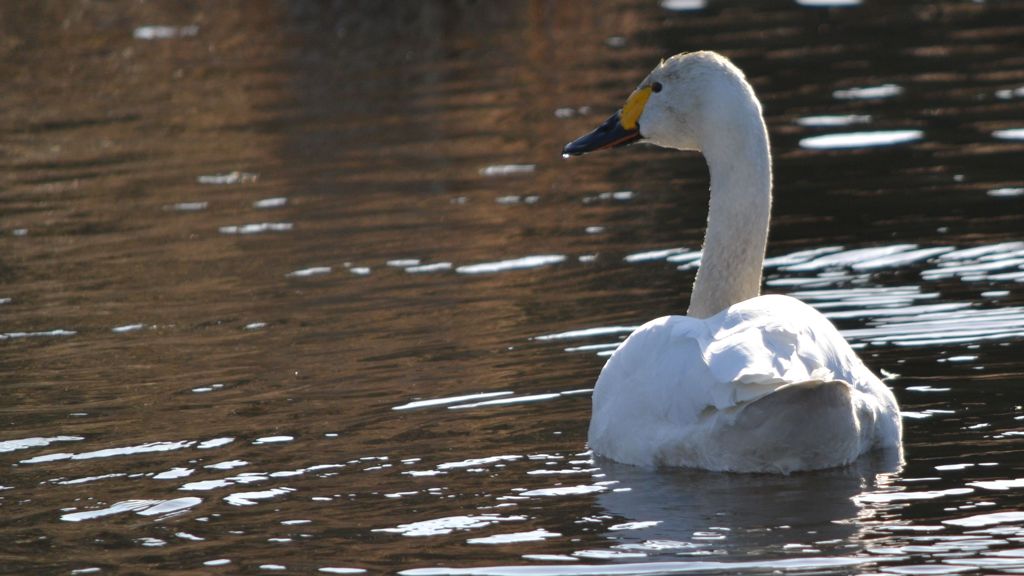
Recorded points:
305,286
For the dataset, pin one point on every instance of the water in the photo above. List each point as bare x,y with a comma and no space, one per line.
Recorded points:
307,288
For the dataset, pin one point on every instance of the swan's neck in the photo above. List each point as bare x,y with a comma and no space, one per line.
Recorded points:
739,161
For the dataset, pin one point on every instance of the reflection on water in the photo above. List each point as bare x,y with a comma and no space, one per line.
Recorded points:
743,514
306,287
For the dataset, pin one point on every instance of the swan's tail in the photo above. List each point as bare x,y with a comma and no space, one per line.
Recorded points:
800,426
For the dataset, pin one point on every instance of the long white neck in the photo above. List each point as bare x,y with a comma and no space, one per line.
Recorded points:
739,161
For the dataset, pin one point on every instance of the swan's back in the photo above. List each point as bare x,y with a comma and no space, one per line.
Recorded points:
768,384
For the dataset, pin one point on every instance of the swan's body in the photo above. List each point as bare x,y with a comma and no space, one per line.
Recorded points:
767,385
743,383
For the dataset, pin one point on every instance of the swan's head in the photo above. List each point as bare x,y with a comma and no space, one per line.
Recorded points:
682,103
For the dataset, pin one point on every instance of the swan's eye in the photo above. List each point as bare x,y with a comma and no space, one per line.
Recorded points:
656,87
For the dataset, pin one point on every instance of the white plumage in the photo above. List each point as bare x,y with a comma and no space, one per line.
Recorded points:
767,385
743,383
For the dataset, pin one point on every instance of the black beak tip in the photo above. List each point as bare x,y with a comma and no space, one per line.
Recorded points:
610,134
573,149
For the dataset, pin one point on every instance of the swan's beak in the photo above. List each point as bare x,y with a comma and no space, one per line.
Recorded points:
620,129
610,134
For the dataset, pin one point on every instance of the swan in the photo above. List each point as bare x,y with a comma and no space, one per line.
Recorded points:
743,382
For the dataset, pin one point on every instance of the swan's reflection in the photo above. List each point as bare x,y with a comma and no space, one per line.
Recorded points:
748,513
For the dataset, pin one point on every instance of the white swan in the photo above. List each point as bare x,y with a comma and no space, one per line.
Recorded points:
743,382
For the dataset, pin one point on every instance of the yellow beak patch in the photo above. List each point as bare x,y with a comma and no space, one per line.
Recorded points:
634,108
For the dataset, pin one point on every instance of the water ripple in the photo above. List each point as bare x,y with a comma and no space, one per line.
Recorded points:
426,268
860,139
514,264
868,92
981,520
521,399
448,524
306,272
43,334
507,169
450,400
257,228
164,32
108,452
673,567
275,202
826,278
568,490
515,537
228,178
252,498
833,120
140,507
1009,134
828,3
35,442
588,332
